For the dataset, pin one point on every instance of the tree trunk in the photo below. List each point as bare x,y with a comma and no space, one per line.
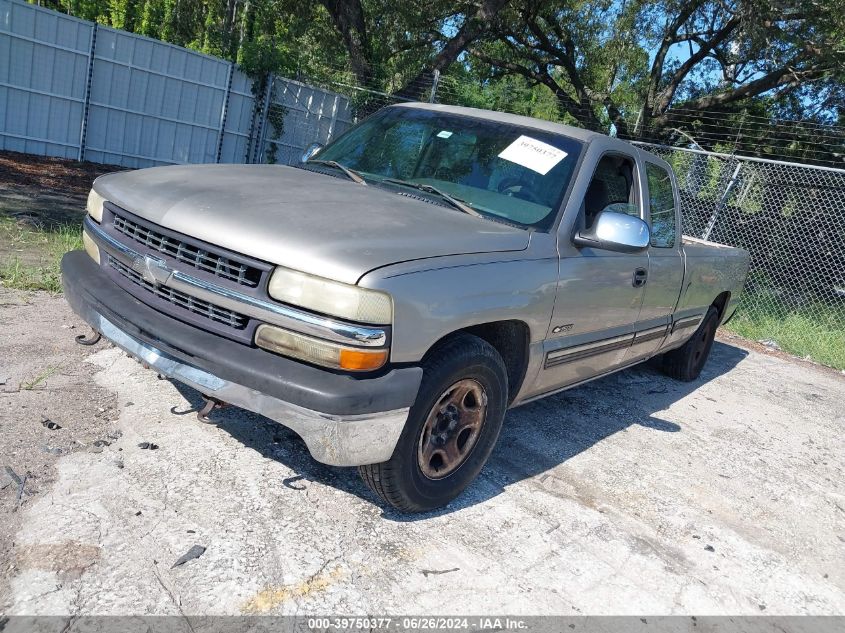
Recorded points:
474,27
348,18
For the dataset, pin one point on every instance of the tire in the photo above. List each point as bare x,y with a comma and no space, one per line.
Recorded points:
451,429
686,362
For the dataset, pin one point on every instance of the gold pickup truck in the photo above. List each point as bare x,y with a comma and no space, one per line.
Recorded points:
394,294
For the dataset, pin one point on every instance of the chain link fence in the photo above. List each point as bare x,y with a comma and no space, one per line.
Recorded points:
791,219
196,108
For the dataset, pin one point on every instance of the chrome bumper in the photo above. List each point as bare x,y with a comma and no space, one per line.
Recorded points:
352,440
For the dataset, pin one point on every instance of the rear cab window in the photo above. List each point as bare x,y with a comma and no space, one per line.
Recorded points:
662,204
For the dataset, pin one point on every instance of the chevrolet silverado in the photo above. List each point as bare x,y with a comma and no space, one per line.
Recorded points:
394,294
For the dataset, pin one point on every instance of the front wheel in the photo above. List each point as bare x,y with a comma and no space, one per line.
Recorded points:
451,429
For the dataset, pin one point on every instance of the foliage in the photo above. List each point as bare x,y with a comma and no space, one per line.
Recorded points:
647,65
717,72
815,332
37,267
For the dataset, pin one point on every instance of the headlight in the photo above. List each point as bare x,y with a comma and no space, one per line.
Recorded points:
95,205
317,351
331,297
91,247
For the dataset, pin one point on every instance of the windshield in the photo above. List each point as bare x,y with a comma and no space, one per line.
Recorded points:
515,173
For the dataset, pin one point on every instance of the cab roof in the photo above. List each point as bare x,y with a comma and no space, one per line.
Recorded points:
513,119
577,133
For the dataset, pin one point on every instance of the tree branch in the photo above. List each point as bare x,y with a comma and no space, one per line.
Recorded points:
581,113
669,38
785,76
475,26
348,18
704,49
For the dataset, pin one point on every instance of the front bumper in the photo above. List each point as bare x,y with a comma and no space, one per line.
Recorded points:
344,420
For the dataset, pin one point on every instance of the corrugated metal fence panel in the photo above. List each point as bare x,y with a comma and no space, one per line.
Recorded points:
306,115
238,119
153,103
43,73
148,102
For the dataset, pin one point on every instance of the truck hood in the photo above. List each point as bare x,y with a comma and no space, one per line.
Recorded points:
326,226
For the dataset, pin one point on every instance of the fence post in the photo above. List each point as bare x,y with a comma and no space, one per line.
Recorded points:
265,114
224,111
434,82
262,121
83,128
333,120
722,202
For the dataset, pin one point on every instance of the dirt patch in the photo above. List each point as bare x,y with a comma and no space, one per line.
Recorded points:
69,558
42,204
63,176
49,408
40,192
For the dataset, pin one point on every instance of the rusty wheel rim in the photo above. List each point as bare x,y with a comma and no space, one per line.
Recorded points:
452,428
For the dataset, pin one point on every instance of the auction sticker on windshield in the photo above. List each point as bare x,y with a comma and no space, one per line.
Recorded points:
533,154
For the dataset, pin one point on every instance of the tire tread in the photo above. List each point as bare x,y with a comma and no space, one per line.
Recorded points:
381,478
677,363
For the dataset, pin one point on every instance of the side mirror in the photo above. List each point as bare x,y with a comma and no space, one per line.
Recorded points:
310,151
615,231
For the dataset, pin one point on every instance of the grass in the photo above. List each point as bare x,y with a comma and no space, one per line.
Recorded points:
44,375
815,331
30,256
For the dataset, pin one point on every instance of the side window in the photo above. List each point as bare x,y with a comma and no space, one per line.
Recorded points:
662,202
612,186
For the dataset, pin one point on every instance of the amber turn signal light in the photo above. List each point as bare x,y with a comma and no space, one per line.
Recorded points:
318,351
362,360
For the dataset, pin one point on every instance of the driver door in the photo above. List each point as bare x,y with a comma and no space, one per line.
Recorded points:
599,292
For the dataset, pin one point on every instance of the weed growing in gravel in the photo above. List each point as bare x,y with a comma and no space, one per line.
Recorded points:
30,256
41,377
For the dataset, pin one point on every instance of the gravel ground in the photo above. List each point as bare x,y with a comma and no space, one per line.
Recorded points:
633,494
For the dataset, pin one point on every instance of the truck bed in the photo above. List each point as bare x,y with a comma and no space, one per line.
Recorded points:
708,264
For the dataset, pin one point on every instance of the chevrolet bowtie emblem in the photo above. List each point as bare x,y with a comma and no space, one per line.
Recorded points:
152,270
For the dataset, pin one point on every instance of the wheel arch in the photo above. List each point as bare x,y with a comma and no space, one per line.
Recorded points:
510,338
721,303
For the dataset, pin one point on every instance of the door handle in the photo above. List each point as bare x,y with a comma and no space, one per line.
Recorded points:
640,276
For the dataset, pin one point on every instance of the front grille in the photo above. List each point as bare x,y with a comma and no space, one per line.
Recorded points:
197,306
199,258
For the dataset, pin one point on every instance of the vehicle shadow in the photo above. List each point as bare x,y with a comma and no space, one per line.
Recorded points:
535,438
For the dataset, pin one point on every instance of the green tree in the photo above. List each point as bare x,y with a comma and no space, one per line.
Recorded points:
629,63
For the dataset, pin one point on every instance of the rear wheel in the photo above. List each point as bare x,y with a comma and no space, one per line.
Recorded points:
686,362
451,429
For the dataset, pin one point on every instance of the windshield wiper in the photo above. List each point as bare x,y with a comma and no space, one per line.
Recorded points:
460,205
351,173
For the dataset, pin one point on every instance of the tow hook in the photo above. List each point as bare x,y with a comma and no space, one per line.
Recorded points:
92,340
208,405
